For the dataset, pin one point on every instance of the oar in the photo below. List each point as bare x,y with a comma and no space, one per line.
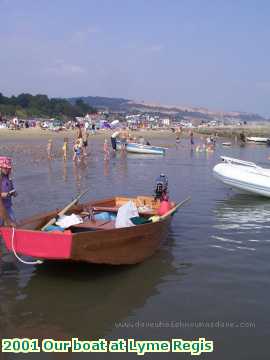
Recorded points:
171,211
62,212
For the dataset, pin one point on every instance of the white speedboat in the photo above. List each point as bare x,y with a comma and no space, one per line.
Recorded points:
226,144
259,140
141,149
243,175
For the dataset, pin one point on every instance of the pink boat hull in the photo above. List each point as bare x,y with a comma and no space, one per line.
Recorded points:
43,245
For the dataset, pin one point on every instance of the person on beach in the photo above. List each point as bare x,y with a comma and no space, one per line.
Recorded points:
77,150
49,149
93,129
7,216
191,139
86,126
124,136
242,137
214,138
85,143
79,132
106,150
141,140
65,148
114,137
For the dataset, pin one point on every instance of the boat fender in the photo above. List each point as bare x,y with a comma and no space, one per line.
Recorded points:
164,207
154,218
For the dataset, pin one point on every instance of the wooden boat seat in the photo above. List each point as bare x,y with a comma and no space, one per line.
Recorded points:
106,208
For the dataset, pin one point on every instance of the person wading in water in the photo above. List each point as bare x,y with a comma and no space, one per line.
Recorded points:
7,190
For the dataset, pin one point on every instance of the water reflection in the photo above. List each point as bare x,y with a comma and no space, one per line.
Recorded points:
50,172
241,222
243,212
62,300
122,164
65,171
77,176
106,167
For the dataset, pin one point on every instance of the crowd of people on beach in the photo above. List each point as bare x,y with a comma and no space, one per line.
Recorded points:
81,142
80,146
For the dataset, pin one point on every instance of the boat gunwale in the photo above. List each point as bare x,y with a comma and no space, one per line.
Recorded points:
42,217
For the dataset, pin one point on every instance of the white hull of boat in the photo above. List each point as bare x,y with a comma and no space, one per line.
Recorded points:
244,176
259,140
142,149
227,144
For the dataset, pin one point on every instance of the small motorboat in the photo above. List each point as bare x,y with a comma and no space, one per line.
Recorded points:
259,140
226,144
141,148
243,175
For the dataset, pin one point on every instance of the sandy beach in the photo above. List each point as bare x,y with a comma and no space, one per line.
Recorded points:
36,133
226,132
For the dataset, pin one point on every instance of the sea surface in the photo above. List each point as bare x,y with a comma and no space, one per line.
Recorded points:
210,280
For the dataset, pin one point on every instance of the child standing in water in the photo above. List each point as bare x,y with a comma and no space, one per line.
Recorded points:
49,149
77,150
65,149
7,191
106,150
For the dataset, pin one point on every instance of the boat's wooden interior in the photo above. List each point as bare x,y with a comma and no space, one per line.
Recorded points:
93,225
147,206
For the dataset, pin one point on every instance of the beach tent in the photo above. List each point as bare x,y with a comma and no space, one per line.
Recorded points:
104,124
114,123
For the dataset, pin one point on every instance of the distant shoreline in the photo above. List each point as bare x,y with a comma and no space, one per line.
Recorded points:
226,132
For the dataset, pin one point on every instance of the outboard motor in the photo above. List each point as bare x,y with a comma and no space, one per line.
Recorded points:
161,188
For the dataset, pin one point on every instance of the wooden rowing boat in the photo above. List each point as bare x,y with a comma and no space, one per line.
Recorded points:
94,241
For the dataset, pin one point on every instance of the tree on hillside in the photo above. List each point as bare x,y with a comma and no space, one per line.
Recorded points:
27,105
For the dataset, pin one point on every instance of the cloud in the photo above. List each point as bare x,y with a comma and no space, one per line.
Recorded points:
62,68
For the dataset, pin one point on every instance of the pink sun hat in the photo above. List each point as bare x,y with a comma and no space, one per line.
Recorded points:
5,162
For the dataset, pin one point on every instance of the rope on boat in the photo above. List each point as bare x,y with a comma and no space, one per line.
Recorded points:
37,262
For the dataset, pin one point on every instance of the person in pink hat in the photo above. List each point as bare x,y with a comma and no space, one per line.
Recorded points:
7,216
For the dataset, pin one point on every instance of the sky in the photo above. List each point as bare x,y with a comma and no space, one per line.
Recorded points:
204,53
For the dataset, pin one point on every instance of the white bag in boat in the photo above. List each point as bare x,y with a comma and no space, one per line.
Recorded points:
66,221
125,212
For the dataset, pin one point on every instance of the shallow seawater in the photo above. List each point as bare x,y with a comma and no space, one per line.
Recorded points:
210,279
